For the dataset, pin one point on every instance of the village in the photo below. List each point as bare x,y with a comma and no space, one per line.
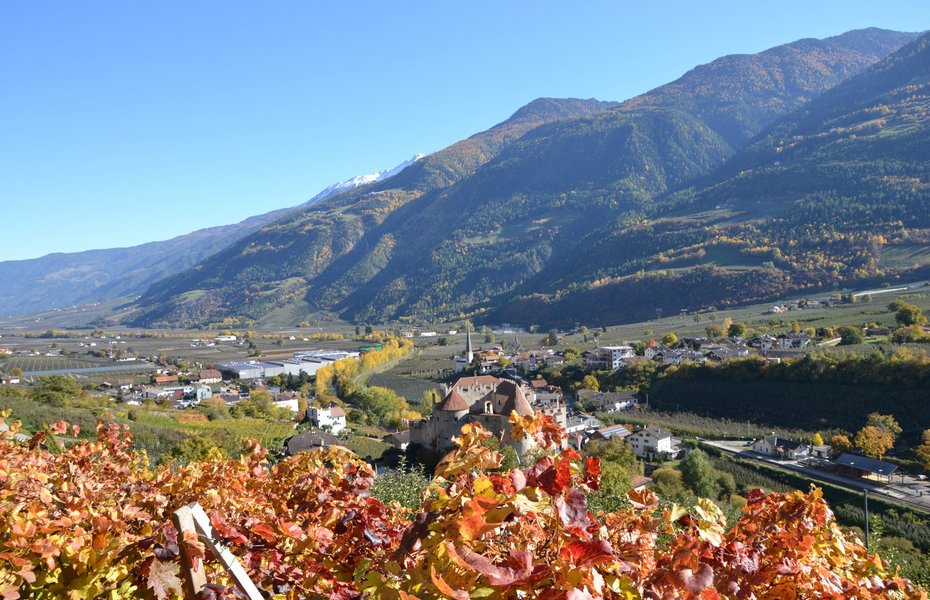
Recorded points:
398,398
229,375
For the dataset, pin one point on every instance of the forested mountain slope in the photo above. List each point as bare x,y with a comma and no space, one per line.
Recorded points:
511,211
835,193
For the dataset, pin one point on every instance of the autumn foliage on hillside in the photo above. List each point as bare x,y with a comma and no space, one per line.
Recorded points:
94,521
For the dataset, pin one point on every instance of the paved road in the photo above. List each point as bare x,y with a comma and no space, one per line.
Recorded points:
911,491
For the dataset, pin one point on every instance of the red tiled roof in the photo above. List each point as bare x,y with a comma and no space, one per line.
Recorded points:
639,481
538,383
453,402
336,411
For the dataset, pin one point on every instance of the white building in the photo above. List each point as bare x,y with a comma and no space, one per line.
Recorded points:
333,417
609,357
793,341
292,405
652,443
779,447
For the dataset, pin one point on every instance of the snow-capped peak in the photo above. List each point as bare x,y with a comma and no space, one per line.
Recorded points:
360,180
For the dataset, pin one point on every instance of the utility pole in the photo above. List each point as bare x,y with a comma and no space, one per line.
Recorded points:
865,497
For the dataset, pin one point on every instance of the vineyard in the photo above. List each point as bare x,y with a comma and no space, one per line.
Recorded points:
44,364
93,520
155,432
692,425
806,405
409,387
48,363
149,430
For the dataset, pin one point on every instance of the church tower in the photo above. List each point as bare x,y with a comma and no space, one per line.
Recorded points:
469,352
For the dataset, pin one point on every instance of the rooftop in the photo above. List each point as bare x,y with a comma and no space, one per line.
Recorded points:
613,431
454,401
862,463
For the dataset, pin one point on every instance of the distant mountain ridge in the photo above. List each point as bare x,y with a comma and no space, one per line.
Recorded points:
527,212
60,280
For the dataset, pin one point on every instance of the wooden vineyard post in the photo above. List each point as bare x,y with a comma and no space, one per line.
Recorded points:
194,578
194,581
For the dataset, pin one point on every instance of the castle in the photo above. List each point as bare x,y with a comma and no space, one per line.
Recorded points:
483,399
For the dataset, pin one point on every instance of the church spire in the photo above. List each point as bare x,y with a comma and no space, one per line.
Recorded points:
469,353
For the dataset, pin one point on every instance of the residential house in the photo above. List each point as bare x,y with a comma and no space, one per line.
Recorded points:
763,343
653,443
610,432
737,345
680,356
210,376
608,401
609,358
538,384
640,482
333,417
697,343
721,353
780,448
546,394
554,360
398,439
652,351
792,341
305,442
288,400
582,422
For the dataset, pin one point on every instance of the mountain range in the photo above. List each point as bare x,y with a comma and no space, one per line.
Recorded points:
798,168
568,209
60,280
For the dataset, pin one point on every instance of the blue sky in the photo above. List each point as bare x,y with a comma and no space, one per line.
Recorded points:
127,122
